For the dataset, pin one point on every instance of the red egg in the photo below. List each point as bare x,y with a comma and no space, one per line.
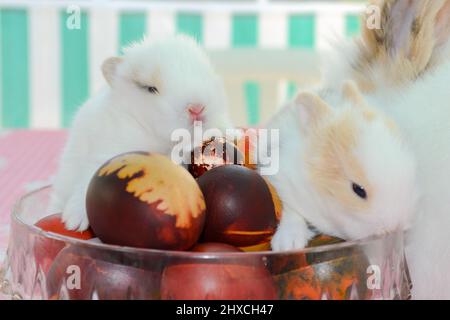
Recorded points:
224,279
46,249
140,199
213,153
218,280
88,274
214,247
241,208
54,223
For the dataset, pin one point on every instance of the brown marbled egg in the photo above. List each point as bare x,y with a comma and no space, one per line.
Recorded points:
213,153
241,208
144,200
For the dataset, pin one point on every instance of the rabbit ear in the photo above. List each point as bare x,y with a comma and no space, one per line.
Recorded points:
109,67
409,29
351,93
312,110
407,40
400,19
396,21
402,24
442,29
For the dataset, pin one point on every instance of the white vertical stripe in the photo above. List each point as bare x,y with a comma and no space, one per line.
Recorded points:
103,39
282,96
160,24
217,30
268,99
273,30
234,87
45,67
330,27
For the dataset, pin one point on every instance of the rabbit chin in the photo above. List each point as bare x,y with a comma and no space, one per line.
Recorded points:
387,212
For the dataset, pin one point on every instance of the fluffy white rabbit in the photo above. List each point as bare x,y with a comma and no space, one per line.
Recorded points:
404,70
345,170
154,89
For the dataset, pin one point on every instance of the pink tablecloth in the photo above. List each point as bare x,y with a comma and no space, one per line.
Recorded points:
28,159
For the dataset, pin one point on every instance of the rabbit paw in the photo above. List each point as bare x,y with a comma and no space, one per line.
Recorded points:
291,235
74,214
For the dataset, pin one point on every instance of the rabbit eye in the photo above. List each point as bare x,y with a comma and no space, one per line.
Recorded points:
360,191
153,90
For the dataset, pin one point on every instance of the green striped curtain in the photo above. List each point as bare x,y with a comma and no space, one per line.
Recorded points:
244,31
190,24
14,61
244,34
74,66
291,90
302,31
252,99
74,63
352,25
132,28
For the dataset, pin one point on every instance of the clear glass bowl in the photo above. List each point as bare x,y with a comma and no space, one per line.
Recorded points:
42,265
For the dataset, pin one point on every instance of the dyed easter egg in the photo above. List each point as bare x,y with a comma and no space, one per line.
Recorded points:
241,208
89,274
218,280
336,274
46,249
145,200
213,153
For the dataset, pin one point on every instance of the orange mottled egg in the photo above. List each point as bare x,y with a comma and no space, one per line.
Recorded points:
338,274
144,200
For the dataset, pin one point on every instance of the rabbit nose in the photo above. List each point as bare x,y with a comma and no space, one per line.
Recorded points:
196,112
195,109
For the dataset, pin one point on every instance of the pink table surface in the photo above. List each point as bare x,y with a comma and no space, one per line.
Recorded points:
28,159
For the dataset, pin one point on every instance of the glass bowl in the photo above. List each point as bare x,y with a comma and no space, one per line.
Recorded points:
43,265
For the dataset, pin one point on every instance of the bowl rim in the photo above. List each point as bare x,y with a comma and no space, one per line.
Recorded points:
15,218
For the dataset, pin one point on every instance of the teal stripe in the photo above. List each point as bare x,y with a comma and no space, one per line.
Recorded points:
245,31
74,66
352,25
291,90
190,24
252,98
132,28
302,31
15,68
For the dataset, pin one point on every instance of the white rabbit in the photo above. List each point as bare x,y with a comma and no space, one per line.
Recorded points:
154,89
344,170
404,69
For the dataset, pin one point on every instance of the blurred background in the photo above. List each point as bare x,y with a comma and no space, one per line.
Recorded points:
51,53
264,49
